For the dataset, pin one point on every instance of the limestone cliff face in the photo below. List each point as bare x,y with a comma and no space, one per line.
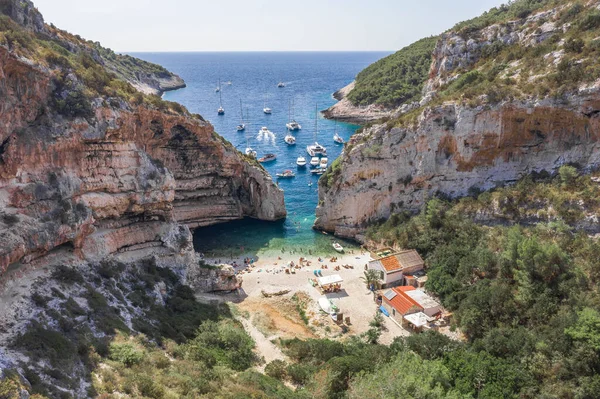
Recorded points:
453,149
116,182
455,146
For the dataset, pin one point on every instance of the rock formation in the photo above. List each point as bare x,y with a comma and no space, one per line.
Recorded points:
345,111
455,146
110,177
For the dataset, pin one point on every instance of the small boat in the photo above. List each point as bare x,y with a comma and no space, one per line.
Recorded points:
301,161
229,82
242,126
314,161
266,109
325,304
286,174
323,163
290,140
280,84
318,171
338,247
316,149
221,110
218,89
336,137
267,158
292,125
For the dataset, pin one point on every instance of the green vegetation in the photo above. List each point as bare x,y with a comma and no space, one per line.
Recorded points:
395,79
99,72
526,298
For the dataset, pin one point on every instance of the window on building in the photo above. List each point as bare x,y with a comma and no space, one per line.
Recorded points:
394,312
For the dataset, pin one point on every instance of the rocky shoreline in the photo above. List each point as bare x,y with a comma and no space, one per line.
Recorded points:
345,111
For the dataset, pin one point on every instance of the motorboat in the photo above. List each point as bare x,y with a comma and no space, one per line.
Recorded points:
290,140
318,171
229,82
316,149
338,247
338,139
323,163
280,84
241,127
286,174
301,161
267,158
314,161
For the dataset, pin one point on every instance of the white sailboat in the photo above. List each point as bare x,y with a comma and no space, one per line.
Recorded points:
266,109
249,150
221,110
242,126
336,137
292,125
316,149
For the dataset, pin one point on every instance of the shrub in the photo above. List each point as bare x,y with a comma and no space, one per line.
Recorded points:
125,353
276,369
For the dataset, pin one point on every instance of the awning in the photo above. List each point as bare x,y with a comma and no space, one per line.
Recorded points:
328,280
418,319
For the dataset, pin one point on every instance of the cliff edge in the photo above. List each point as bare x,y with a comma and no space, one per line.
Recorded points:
91,165
502,100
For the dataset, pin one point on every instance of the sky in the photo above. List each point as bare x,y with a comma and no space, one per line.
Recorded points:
258,25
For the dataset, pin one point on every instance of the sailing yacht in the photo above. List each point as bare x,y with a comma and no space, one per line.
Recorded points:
221,110
336,137
316,149
292,125
241,127
266,109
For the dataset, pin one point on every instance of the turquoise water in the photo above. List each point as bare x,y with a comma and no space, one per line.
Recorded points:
310,80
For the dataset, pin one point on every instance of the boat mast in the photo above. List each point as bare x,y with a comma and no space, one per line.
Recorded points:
316,120
241,111
220,95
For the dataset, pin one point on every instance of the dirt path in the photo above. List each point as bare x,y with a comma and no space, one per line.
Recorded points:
265,348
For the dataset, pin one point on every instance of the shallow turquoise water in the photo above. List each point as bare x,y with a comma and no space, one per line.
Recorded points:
310,80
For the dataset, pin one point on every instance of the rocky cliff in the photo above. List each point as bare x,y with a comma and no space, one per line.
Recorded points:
345,111
481,122
88,164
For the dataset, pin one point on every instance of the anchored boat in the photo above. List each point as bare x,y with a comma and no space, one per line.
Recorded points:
286,174
267,158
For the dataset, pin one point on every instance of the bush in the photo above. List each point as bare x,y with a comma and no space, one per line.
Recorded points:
125,353
276,369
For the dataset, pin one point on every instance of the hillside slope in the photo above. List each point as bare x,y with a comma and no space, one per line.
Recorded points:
505,97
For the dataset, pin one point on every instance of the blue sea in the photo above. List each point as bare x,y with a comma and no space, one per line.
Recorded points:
310,79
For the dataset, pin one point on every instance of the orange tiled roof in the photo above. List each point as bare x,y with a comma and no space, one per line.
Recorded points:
401,260
402,302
